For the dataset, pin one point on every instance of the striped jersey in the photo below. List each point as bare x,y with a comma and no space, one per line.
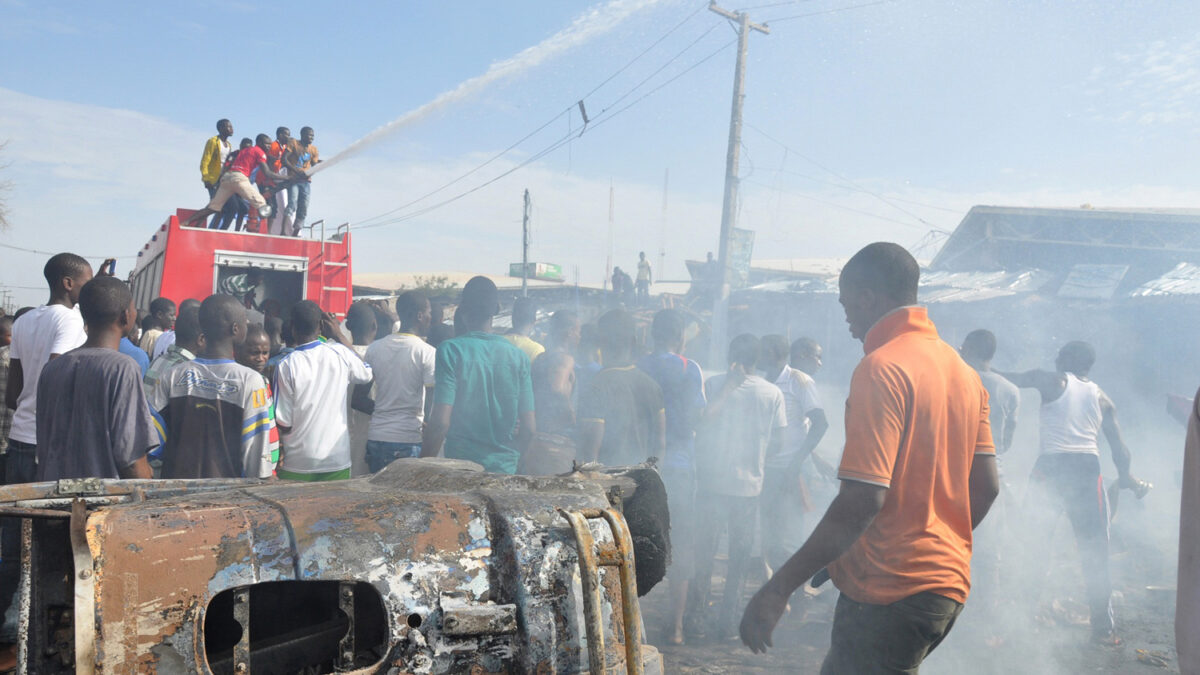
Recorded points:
217,421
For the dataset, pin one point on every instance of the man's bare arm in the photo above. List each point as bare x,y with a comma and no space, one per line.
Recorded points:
850,514
819,425
435,431
16,382
139,469
1049,385
983,486
591,435
526,430
1121,456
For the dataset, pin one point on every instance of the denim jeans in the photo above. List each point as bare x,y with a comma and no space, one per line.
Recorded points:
298,194
382,453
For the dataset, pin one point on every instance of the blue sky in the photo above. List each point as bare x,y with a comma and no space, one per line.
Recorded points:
877,122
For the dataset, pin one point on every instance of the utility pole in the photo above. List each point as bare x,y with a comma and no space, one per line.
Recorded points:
662,234
608,264
525,248
720,327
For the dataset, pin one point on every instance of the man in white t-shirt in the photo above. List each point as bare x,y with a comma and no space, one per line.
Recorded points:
311,389
40,335
403,364
784,496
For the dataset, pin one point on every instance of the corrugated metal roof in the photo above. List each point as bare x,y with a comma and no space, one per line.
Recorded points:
939,287
1183,279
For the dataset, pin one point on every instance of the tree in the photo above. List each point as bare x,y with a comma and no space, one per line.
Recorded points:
5,186
432,285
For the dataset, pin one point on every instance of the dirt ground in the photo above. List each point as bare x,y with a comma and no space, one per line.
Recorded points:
1020,632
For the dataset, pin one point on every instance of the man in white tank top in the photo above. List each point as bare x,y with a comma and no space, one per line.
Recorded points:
1067,476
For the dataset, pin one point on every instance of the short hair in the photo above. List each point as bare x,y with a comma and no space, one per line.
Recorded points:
306,318
775,347
304,129
103,299
256,330
190,302
187,324
150,322
804,346
64,265
22,312
524,312
6,323
617,331
360,316
744,349
162,305
218,313
980,344
1077,357
245,142
667,327
221,122
280,130
561,322
259,138
480,299
885,268
410,304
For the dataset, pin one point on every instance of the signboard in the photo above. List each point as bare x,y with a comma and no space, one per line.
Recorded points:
741,249
540,271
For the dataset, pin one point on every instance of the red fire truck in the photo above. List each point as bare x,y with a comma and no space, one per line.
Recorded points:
191,262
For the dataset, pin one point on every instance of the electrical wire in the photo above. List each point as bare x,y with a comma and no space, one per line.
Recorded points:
876,195
34,250
556,144
826,11
842,206
855,188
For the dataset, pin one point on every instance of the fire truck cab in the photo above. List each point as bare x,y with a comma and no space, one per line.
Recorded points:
192,262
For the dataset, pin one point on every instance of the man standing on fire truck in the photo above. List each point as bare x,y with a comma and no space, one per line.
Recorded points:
236,180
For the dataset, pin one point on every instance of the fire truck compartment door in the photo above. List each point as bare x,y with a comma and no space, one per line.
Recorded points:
279,263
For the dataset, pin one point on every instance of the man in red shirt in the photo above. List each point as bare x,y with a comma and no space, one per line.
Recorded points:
236,181
918,474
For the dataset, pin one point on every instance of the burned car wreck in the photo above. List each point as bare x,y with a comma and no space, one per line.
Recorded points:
429,566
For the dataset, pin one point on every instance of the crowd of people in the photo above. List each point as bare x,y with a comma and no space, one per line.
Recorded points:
198,390
262,185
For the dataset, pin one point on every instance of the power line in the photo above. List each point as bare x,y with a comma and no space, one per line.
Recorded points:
34,250
567,111
556,144
828,11
831,171
855,188
842,206
770,5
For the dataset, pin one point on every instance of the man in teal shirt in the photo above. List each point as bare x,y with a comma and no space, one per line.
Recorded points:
483,393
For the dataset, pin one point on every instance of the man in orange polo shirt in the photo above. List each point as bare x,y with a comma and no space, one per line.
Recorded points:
918,474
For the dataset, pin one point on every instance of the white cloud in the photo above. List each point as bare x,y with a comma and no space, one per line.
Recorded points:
1161,81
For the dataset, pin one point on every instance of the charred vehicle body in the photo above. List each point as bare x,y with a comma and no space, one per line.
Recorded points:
430,566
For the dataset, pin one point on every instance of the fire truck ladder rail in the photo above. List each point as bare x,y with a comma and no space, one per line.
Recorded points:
619,554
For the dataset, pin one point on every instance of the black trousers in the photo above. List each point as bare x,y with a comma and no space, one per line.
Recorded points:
20,466
1071,482
886,639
